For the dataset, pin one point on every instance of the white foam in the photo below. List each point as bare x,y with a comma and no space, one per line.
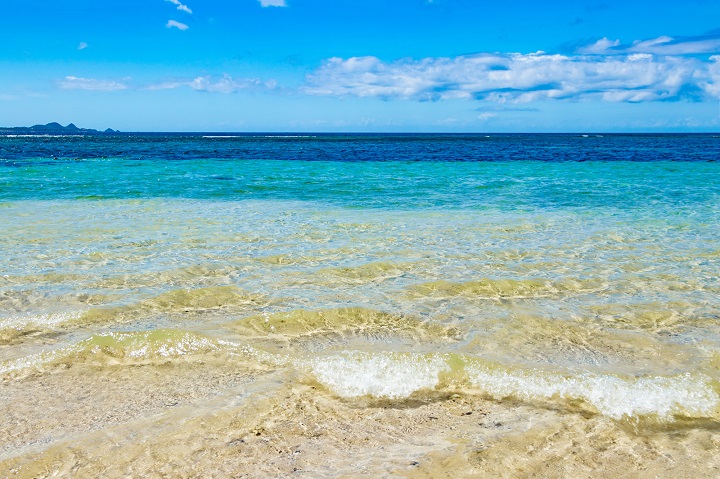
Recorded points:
396,375
613,396
383,375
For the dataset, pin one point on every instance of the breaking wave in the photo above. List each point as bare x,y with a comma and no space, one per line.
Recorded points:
399,375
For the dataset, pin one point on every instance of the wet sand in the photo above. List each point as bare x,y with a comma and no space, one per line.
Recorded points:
196,419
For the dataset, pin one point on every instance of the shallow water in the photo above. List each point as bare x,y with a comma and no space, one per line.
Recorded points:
337,306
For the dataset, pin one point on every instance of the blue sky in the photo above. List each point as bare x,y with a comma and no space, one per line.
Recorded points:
344,65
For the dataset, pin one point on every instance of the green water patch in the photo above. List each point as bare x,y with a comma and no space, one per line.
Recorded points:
365,273
180,302
22,302
667,318
33,315
664,283
200,299
148,347
42,278
190,275
344,322
282,259
139,348
508,288
14,335
535,340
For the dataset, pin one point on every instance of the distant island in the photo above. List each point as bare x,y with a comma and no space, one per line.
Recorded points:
53,129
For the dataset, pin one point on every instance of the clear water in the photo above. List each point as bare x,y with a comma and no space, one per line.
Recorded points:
561,272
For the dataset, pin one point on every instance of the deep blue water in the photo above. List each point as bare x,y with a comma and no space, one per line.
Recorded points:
365,170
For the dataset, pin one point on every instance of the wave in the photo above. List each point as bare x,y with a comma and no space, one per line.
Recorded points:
400,375
16,329
340,321
190,275
280,259
508,288
615,396
387,375
528,338
365,273
137,348
44,278
669,317
179,301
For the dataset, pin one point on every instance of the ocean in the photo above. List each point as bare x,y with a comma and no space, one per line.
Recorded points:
337,306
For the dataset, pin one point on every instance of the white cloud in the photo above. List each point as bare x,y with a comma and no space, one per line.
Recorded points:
273,3
224,84
670,46
178,25
180,6
712,85
662,45
82,46
600,46
77,83
520,78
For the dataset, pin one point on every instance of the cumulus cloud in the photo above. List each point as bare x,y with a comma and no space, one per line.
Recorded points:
82,46
78,83
632,76
273,3
712,84
180,6
224,84
178,25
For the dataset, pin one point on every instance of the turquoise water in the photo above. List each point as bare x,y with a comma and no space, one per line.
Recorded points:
579,271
